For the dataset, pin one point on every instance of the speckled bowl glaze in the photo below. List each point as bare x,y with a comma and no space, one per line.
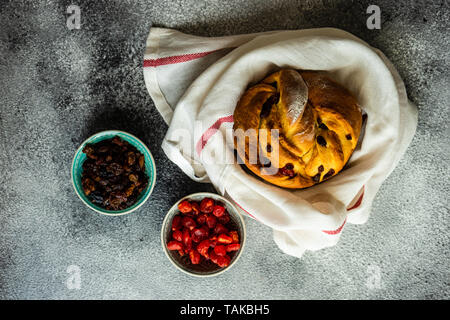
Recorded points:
173,256
80,157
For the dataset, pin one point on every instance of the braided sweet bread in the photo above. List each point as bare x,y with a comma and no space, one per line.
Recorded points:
318,124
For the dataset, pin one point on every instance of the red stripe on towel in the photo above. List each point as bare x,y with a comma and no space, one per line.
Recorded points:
337,231
210,132
357,203
175,59
245,210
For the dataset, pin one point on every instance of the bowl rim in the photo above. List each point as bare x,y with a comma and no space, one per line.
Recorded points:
236,213
111,212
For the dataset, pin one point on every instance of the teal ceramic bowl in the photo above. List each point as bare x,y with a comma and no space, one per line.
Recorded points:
80,157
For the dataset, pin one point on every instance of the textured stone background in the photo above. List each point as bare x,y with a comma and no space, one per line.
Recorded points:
58,86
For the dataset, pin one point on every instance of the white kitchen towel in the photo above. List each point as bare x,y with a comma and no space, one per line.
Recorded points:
195,83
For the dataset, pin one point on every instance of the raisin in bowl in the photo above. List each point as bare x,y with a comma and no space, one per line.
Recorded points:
113,172
203,234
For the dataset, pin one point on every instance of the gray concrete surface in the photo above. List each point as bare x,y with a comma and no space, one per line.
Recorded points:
58,86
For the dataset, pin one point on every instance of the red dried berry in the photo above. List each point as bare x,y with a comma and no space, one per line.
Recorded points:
176,223
288,170
184,206
203,248
225,239
220,229
207,205
220,250
177,235
194,236
194,256
199,234
218,211
213,256
224,219
206,229
211,221
187,240
174,245
195,208
235,236
223,261
201,219
233,247
181,252
188,222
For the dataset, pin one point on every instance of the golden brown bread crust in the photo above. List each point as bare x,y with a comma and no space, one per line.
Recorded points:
318,123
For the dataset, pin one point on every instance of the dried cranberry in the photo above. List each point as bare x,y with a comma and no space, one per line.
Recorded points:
288,170
203,248
218,211
174,245
233,247
185,206
177,235
213,241
188,222
194,256
235,236
211,221
201,219
176,223
220,250
199,234
187,240
224,219
207,205
220,229
195,208
225,239
213,256
223,261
